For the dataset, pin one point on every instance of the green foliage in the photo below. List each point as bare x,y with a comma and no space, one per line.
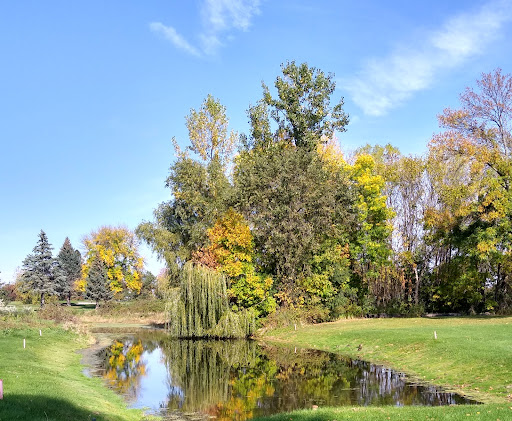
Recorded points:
98,283
208,131
149,286
295,205
231,252
200,308
470,168
301,109
41,272
70,261
200,194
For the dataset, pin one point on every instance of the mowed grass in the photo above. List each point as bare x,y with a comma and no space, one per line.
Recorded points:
414,413
471,356
44,381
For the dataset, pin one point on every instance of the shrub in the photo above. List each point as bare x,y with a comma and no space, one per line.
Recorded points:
56,312
139,306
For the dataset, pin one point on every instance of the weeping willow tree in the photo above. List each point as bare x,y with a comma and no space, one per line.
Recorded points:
200,308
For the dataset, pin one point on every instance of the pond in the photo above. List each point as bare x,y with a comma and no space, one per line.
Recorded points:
239,380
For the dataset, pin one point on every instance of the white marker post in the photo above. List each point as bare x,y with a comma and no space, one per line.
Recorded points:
23,343
435,334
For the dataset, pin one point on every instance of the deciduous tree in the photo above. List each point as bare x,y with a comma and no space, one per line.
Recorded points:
117,248
302,108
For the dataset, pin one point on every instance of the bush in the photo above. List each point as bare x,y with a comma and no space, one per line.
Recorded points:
140,306
290,316
57,313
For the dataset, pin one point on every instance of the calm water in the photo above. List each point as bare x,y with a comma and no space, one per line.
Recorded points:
238,380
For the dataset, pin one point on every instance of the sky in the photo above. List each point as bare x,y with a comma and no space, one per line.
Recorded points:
92,92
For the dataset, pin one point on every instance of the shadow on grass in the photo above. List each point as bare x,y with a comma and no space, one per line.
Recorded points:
41,408
83,305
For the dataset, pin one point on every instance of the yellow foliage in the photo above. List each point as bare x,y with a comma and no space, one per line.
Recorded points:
117,247
331,154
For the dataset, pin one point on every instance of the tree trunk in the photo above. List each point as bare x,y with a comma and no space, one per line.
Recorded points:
42,299
97,305
69,299
417,286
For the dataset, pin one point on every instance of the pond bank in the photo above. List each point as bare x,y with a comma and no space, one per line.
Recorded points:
470,354
43,381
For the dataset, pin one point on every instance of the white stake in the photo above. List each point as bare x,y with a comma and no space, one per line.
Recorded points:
435,334
23,343
40,334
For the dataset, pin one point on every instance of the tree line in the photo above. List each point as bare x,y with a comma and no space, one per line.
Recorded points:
288,221
293,223
110,268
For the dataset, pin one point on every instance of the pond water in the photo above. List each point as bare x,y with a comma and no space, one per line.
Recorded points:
239,380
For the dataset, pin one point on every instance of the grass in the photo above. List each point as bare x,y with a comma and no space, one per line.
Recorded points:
471,356
451,413
44,381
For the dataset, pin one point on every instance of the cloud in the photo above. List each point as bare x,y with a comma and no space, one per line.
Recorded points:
385,83
219,18
176,39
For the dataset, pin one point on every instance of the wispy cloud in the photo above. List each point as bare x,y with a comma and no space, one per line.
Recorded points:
219,18
387,82
176,39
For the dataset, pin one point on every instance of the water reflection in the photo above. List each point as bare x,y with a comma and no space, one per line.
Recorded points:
238,380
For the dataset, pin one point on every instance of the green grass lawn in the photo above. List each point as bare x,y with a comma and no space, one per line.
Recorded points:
44,381
471,356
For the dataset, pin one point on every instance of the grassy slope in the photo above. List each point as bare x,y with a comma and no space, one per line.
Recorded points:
44,382
471,356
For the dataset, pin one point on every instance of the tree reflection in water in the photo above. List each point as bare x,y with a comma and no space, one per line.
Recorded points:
238,380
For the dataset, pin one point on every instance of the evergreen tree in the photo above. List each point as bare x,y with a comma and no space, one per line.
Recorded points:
97,283
42,273
71,263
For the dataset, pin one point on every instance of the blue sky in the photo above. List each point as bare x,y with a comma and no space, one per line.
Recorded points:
91,92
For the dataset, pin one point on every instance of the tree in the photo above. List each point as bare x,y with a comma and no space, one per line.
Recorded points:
117,248
200,190
208,131
200,308
41,272
408,192
477,230
98,288
149,285
70,261
370,246
301,110
231,251
294,205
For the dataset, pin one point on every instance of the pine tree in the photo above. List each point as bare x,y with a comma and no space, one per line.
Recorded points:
98,283
71,263
42,273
